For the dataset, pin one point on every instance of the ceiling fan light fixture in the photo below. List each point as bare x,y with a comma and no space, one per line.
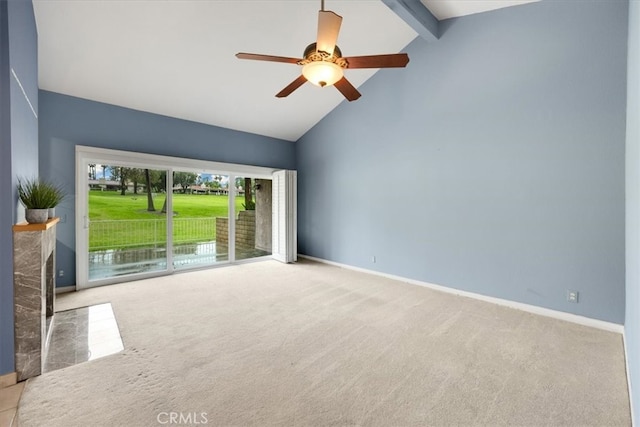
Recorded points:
323,63
322,73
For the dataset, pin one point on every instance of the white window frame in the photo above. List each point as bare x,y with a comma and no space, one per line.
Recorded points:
284,222
86,155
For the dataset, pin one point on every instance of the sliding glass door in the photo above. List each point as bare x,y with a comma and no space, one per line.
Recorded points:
253,220
126,226
141,215
200,214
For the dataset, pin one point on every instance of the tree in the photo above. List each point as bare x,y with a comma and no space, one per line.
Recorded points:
135,175
123,181
115,173
159,180
184,179
126,176
239,182
216,182
159,183
245,185
147,178
248,197
119,173
92,171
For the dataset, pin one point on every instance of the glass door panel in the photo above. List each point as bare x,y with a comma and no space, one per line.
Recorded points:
126,223
200,215
253,221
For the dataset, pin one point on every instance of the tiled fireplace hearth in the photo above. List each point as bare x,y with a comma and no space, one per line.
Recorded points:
33,293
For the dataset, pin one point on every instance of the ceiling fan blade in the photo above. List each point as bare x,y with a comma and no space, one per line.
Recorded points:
347,89
291,87
379,61
258,57
328,29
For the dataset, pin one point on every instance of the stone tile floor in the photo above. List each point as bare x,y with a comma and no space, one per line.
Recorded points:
9,398
81,335
77,336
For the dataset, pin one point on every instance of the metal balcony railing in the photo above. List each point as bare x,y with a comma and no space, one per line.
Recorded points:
124,234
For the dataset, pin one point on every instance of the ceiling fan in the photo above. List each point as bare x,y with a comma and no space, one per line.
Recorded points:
323,63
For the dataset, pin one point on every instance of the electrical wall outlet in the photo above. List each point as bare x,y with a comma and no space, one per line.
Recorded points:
572,296
61,273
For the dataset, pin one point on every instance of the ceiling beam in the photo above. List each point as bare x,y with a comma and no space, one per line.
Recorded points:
417,16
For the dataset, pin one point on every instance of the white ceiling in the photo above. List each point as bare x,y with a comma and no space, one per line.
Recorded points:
176,58
445,9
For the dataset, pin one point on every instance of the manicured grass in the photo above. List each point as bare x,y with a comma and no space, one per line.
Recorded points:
133,226
110,205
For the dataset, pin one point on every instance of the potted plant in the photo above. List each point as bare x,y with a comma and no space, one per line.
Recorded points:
38,197
56,195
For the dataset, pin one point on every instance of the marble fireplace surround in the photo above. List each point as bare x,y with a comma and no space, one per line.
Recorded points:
33,293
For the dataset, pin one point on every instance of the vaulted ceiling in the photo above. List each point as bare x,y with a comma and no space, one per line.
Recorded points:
176,58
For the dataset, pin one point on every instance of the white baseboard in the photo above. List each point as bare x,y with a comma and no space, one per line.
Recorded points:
65,289
626,362
561,315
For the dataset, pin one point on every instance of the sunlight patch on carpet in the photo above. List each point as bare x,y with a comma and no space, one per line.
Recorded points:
82,334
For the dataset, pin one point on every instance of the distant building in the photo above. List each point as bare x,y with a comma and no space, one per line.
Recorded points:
108,185
200,189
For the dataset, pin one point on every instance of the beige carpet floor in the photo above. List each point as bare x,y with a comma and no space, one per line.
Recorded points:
309,344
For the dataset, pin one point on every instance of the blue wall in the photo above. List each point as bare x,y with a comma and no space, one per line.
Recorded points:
67,121
23,53
494,163
6,193
18,144
632,320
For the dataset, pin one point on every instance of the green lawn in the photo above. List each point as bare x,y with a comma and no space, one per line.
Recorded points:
110,205
194,219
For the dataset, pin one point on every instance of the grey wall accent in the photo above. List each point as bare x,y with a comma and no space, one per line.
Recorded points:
67,121
632,312
18,144
494,163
